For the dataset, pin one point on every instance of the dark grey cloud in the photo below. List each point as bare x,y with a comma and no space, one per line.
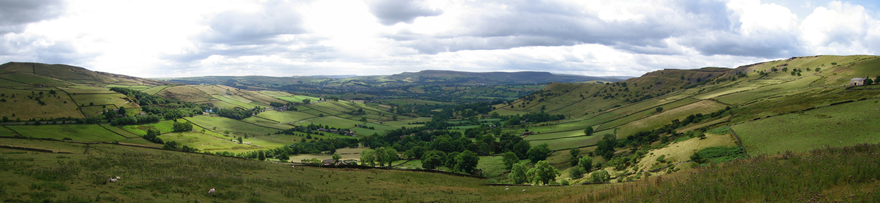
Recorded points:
238,28
391,12
15,15
35,48
708,26
526,23
766,45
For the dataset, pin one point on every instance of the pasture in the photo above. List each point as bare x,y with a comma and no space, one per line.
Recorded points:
18,106
832,126
666,117
154,90
164,126
236,127
568,143
209,143
682,151
235,180
76,132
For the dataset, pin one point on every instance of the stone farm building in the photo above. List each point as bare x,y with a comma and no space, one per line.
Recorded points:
857,81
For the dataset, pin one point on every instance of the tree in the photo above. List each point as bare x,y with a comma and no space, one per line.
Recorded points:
466,161
450,160
588,131
868,81
122,111
433,159
171,145
538,153
262,156
543,173
152,136
818,69
519,174
364,119
183,127
576,173
5,119
697,158
394,117
307,101
240,140
600,176
659,109
521,148
368,158
575,155
336,157
510,159
605,147
586,163
283,156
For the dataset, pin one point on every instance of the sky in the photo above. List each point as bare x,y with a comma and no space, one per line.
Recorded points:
160,38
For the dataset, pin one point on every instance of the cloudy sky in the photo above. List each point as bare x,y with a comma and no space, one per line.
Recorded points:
159,38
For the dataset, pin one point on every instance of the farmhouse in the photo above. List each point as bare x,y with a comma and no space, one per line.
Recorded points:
857,81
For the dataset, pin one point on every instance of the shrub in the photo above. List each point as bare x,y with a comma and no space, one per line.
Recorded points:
576,173
600,176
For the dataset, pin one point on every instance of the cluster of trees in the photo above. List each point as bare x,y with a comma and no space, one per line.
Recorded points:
542,173
465,161
383,156
153,136
172,145
142,98
182,127
239,113
308,129
531,118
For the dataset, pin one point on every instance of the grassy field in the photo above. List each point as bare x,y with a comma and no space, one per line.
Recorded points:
33,79
19,106
163,127
154,90
647,112
286,116
236,127
84,178
839,125
666,117
77,132
540,136
208,143
571,142
682,151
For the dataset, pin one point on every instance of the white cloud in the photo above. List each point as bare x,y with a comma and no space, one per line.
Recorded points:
841,28
226,37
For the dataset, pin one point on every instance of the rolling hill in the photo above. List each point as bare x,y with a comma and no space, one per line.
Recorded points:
796,119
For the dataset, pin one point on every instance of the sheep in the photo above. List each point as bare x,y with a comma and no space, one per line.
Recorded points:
118,178
505,189
524,190
211,191
112,180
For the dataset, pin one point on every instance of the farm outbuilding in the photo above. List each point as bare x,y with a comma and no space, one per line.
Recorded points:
857,81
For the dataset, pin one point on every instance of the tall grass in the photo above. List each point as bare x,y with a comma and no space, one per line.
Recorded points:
836,174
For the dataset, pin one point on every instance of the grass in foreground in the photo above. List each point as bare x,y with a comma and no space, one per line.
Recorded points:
846,174
834,126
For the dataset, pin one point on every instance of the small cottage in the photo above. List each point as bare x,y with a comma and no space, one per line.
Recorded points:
857,81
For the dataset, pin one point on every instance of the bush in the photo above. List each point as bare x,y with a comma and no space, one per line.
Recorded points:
539,153
600,176
576,173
